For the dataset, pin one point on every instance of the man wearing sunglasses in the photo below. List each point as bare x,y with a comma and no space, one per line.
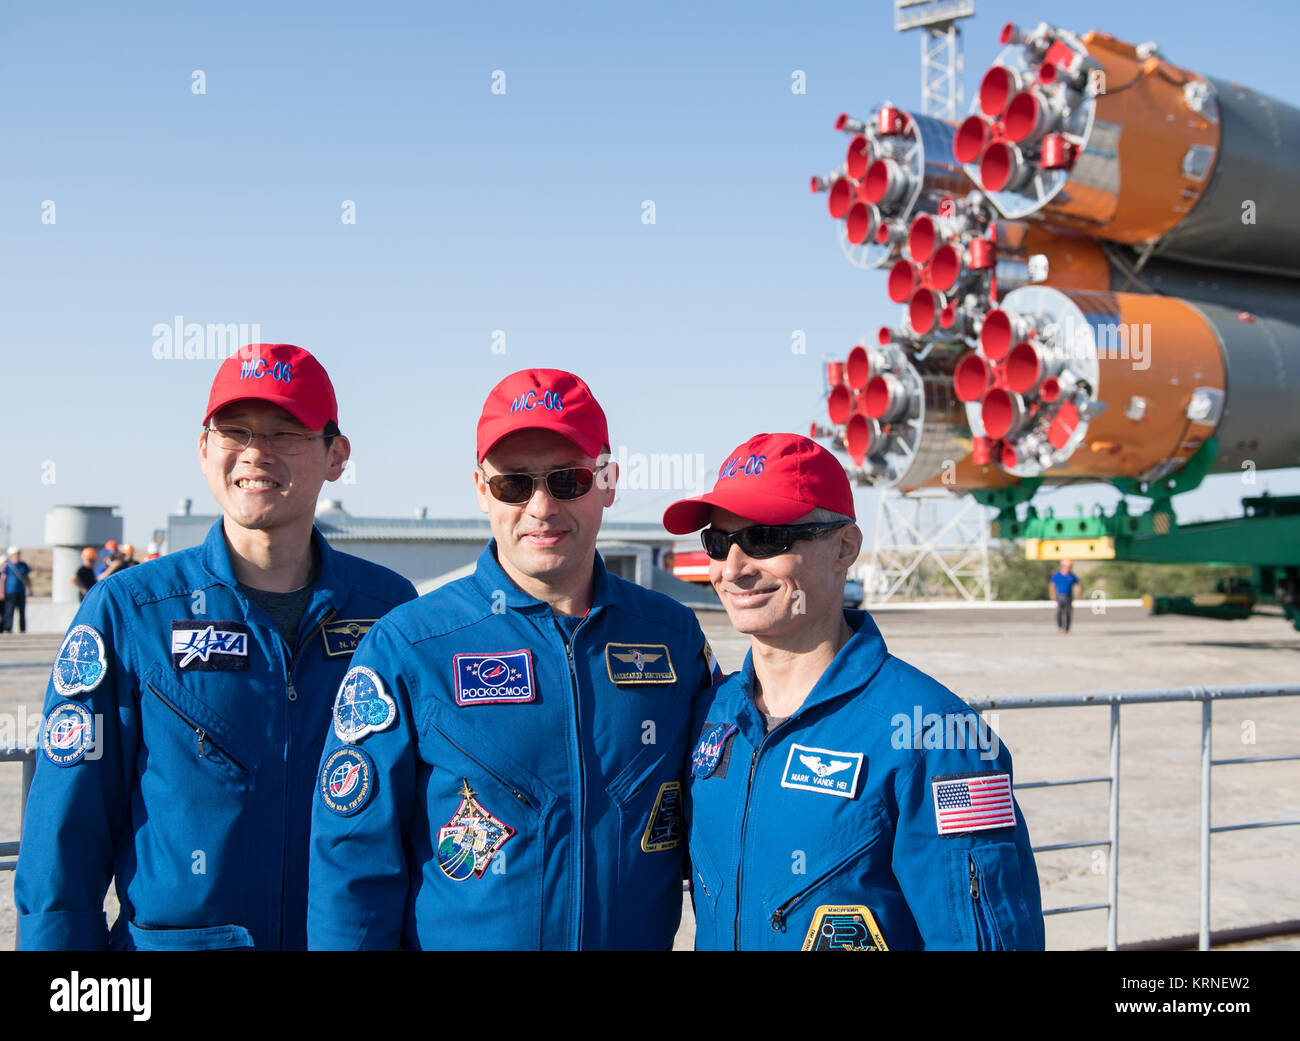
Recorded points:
506,764
839,799
189,702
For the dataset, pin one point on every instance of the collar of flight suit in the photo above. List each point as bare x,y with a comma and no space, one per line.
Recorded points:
332,587
850,671
490,579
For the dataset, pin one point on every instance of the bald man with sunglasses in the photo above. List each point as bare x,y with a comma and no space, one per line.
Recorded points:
839,799
506,764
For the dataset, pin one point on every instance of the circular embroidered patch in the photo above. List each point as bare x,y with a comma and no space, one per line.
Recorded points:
68,734
347,780
80,665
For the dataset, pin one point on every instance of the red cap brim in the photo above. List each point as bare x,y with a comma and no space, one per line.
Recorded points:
682,518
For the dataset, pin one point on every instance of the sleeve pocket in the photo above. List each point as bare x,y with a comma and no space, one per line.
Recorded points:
991,911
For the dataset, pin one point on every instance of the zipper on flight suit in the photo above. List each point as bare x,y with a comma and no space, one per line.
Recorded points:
291,657
478,762
580,875
203,740
778,918
744,825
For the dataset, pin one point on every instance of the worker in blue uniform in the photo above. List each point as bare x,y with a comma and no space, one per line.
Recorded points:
189,701
838,799
505,768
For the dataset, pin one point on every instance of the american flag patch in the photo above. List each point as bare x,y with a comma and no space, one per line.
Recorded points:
972,802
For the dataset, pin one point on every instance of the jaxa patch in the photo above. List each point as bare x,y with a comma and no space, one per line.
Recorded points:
80,665
821,770
468,842
849,928
362,706
639,663
972,802
213,647
347,780
68,734
343,635
708,753
664,829
494,679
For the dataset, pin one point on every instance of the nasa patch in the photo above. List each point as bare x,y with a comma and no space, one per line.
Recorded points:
362,706
848,928
468,842
821,770
708,753
343,635
211,647
347,780
68,734
505,678
81,664
639,663
664,828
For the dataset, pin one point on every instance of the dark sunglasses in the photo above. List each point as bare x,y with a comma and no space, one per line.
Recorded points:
573,482
762,540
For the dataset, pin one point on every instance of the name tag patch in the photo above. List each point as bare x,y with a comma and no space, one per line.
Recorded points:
822,770
846,928
972,802
209,646
664,829
342,635
504,678
639,663
81,664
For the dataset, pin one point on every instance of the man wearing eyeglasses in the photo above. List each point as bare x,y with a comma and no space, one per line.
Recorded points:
506,764
839,799
189,701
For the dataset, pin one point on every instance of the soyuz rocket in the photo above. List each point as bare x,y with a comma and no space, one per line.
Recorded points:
1098,270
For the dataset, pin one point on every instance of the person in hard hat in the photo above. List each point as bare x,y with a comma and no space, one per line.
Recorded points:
189,701
120,561
106,557
15,578
838,798
1063,583
506,764
85,576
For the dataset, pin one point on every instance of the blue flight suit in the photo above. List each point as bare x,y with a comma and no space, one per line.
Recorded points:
179,755
490,784
849,826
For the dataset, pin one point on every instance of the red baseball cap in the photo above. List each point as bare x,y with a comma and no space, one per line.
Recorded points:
280,373
543,399
770,479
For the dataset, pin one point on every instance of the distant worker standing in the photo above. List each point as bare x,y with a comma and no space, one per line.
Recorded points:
1063,583
85,576
17,585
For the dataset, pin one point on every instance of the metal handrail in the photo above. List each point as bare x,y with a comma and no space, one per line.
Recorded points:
25,754
1207,696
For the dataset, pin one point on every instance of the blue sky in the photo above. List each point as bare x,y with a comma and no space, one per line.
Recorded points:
475,212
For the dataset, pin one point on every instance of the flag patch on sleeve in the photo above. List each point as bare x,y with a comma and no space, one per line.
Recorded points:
972,802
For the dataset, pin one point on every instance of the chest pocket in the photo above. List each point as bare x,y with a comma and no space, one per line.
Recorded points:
838,870
467,881
649,797
177,718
